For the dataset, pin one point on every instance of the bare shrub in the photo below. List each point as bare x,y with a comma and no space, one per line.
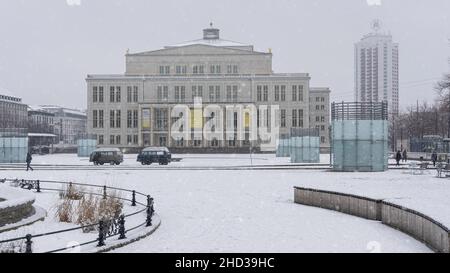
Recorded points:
64,211
89,209
13,247
111,207
72,192
87,212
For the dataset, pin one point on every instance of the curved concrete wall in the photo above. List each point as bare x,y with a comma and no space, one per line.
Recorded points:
16,213
420,226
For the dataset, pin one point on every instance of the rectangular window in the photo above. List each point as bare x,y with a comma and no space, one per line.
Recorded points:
300,118
218,69
112,139
195,69
322,107
294,93
229,94
159,93
183,93
161,70
118,118
177,93
135,118
322,119
94,119
211,93
129,119
167,70
100,119
111,119
322,139
217,93
129,139
118,140
283,118
294,118
266,92
300,93
235,93
112,92
95,94
259,93
277,93
100,140
118,95
129,94
100,94
283,93
135,139
229,69
235,69
135,93
212,69
201,69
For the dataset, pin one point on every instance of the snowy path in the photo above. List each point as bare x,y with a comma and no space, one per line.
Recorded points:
247,211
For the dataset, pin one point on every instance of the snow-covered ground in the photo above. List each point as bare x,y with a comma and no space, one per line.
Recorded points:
253,211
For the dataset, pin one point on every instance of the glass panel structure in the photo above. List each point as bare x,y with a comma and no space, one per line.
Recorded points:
86,147
304,145
360,136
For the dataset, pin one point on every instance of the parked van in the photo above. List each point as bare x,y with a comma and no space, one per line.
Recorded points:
151,155
101,156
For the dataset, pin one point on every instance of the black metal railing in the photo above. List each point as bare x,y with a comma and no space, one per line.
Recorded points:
359,111
107,228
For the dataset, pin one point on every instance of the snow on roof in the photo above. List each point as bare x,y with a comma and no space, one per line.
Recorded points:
211,42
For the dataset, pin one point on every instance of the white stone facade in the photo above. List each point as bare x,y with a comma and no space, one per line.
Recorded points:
135,109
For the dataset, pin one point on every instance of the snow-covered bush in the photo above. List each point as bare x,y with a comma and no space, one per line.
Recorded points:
72,192
89,209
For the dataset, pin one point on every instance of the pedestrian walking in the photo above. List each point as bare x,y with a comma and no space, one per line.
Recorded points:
434,158
29,158
405,156
398,157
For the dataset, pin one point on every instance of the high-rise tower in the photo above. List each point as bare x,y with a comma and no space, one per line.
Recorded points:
376,69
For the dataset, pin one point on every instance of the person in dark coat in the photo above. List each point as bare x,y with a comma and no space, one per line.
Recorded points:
29,158
398,157
405,156
434,158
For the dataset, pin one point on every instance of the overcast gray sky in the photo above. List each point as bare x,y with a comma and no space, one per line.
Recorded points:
48,47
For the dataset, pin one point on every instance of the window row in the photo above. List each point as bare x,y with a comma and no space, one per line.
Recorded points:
262,93
117,140
115,119
214,93
198,69
115,94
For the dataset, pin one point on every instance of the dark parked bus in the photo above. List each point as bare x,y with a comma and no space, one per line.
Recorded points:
160,155
101,156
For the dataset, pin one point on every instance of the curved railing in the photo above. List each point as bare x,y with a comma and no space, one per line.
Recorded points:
106,228
418,225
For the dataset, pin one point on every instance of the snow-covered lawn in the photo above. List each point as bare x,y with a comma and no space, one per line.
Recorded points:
253,211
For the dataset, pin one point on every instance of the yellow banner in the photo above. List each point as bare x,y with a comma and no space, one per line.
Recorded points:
196,118
146,119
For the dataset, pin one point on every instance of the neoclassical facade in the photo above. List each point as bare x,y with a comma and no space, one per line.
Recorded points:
136,109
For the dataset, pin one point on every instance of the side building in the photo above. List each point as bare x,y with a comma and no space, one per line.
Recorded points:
13,115
135,109
319,115
68,124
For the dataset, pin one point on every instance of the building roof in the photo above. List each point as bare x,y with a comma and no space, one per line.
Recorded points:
211,42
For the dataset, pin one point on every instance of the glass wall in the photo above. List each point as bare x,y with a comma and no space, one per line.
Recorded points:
13,149
283,148
360,145
86,147
305,149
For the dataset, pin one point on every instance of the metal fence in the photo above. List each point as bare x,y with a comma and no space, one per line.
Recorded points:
359,110
107,228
